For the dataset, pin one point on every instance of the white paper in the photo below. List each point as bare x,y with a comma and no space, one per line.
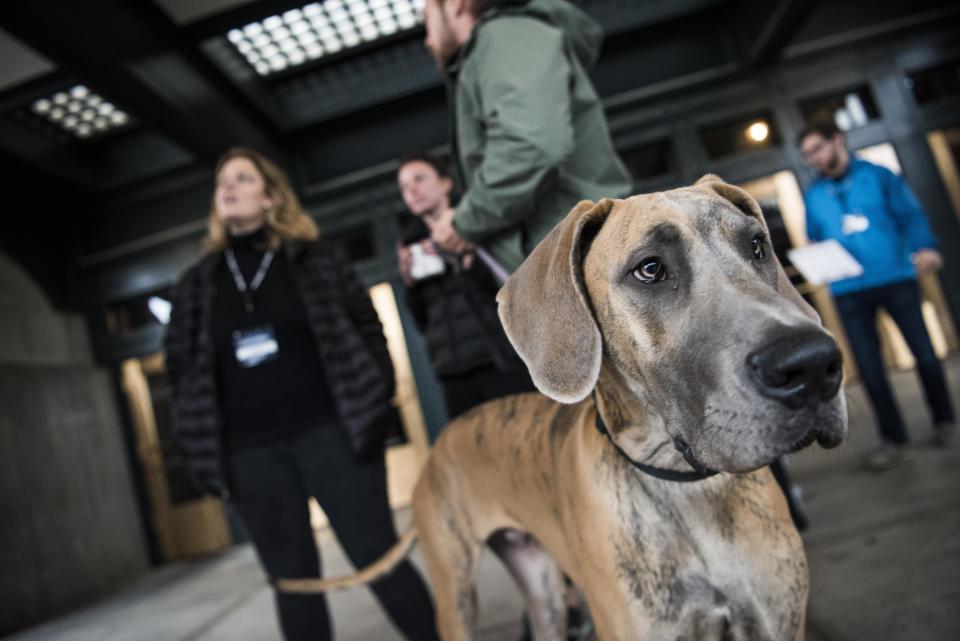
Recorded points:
824,262
424,265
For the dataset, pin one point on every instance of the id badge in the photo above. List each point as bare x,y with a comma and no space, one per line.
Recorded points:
255,346
854,223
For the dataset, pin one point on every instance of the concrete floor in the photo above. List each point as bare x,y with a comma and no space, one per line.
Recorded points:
883,549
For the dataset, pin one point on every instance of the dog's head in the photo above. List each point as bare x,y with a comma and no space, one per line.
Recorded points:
679,298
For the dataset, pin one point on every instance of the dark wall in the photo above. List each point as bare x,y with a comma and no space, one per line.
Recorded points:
71,530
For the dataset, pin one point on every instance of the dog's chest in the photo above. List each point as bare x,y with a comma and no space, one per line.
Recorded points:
686,570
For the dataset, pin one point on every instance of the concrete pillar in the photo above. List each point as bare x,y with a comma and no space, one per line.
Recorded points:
70,530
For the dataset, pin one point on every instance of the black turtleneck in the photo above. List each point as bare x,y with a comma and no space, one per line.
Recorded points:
279,396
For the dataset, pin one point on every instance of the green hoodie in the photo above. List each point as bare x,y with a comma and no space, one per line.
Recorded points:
529,135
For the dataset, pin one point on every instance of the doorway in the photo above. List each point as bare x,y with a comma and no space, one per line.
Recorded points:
186,522
407,452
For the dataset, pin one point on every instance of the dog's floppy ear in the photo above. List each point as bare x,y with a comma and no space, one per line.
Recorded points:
544,309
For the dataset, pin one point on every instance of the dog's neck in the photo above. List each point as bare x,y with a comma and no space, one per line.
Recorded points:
634,426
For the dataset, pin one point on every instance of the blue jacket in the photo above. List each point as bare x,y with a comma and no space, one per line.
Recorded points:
874,215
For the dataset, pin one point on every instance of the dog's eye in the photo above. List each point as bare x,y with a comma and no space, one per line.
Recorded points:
650,270
759,248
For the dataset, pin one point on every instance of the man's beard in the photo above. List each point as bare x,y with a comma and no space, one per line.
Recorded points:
834,163
834,166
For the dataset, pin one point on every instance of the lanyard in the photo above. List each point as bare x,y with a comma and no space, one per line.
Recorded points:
248,291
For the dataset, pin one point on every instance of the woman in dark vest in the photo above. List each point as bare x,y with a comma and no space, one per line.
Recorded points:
455,305
281,391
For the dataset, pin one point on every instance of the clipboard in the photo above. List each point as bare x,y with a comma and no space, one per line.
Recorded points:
824,262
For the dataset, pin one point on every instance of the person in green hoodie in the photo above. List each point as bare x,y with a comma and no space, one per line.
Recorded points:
529,136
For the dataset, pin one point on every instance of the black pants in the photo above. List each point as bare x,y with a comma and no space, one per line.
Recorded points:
465,391
271,484
859,314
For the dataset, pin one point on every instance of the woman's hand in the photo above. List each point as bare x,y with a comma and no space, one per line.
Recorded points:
405,262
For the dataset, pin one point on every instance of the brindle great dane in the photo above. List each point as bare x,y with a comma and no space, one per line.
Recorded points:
684,362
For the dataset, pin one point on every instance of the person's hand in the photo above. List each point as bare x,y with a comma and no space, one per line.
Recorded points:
405,261
445,234
927,261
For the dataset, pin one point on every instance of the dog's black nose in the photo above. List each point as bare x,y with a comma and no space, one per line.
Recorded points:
798,370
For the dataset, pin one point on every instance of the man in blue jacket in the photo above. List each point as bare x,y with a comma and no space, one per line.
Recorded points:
872,212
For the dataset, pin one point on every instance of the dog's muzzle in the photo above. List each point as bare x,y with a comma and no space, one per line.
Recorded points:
800,370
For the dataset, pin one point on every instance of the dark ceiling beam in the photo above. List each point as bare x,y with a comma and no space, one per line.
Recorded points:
131,52
219,24
947,17
622,17
359,81
763,28
33,237
615,17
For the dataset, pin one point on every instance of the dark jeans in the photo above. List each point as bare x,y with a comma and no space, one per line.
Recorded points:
465,391
902,302
271,484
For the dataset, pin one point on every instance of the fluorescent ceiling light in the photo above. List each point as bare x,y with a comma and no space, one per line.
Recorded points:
80,112
319,29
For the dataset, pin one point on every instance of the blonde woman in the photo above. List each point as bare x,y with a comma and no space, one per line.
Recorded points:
281,391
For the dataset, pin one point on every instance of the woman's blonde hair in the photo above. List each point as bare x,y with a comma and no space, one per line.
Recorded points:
285,219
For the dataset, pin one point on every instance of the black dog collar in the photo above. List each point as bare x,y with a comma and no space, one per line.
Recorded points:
700,471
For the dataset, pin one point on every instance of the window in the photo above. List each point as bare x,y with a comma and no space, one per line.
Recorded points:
936,83
848,110
133,314
743,135
650,160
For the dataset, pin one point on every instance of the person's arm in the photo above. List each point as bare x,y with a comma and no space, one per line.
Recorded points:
525,98
175,339
913,224
413,290
908,212
417,305
362,312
